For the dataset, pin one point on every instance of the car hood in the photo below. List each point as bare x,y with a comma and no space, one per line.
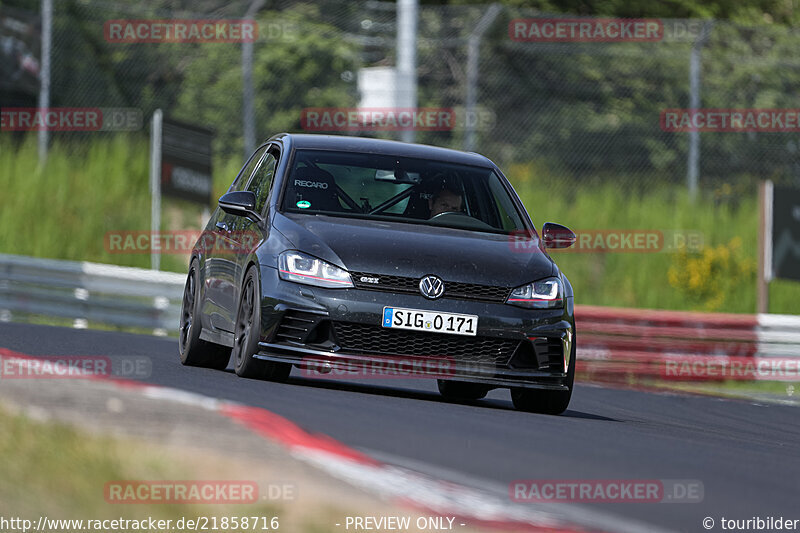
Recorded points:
416,250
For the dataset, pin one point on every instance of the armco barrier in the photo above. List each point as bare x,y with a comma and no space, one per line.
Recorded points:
620,345
613,344
83,292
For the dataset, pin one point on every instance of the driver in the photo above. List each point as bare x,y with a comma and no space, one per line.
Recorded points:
446,199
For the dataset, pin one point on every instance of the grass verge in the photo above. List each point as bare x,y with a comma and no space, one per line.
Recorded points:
54,470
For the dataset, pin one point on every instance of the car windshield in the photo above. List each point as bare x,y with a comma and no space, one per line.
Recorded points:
382,187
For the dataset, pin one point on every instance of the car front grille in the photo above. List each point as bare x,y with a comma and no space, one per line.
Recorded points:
385,283
376,340
452,289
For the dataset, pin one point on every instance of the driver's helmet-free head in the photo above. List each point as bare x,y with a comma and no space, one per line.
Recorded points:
431,186
445,193
446,180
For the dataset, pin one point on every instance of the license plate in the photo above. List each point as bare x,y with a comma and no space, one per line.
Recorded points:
418,320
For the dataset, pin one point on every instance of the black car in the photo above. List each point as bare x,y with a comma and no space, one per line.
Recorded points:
346,252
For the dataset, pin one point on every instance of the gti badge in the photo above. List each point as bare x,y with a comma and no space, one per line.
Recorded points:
431,287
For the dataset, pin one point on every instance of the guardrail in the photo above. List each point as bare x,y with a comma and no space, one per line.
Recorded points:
90,292
624,345
614,344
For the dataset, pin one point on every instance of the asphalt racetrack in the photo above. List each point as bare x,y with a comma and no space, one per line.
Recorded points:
746,455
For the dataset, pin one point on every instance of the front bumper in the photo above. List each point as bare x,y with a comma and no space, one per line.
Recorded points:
340,330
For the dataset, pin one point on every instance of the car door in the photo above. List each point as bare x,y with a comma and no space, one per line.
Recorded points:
247,234
220,262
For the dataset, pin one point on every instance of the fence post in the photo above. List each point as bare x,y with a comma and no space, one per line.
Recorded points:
764,246
44,87
473,52
248,108
693,162
155,184
407,59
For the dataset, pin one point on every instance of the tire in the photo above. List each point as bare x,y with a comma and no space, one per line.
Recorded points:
548,402
248,333
460,390
192,349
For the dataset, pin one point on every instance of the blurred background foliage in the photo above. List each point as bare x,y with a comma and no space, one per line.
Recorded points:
575,126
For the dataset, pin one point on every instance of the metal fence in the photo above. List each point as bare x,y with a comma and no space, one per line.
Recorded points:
89,294
568,113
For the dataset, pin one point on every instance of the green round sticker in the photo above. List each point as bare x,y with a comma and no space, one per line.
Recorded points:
303,204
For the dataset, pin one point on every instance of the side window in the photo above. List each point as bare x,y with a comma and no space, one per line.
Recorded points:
247,171
262,180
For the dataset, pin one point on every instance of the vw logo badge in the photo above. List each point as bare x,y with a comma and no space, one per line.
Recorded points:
431,287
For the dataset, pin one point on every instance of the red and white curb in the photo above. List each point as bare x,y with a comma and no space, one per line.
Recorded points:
486,507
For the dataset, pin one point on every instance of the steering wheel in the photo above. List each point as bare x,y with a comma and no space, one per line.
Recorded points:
449,213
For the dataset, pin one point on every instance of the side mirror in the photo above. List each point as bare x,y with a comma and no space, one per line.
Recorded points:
240,203
557,236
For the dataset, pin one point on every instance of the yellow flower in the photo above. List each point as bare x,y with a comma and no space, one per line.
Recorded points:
706,279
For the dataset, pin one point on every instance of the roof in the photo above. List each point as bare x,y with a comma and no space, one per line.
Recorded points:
381,146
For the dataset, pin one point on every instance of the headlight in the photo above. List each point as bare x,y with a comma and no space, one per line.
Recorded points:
303,268
544,294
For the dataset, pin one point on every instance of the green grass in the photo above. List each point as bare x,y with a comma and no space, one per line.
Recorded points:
65,209
54,470
641,279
